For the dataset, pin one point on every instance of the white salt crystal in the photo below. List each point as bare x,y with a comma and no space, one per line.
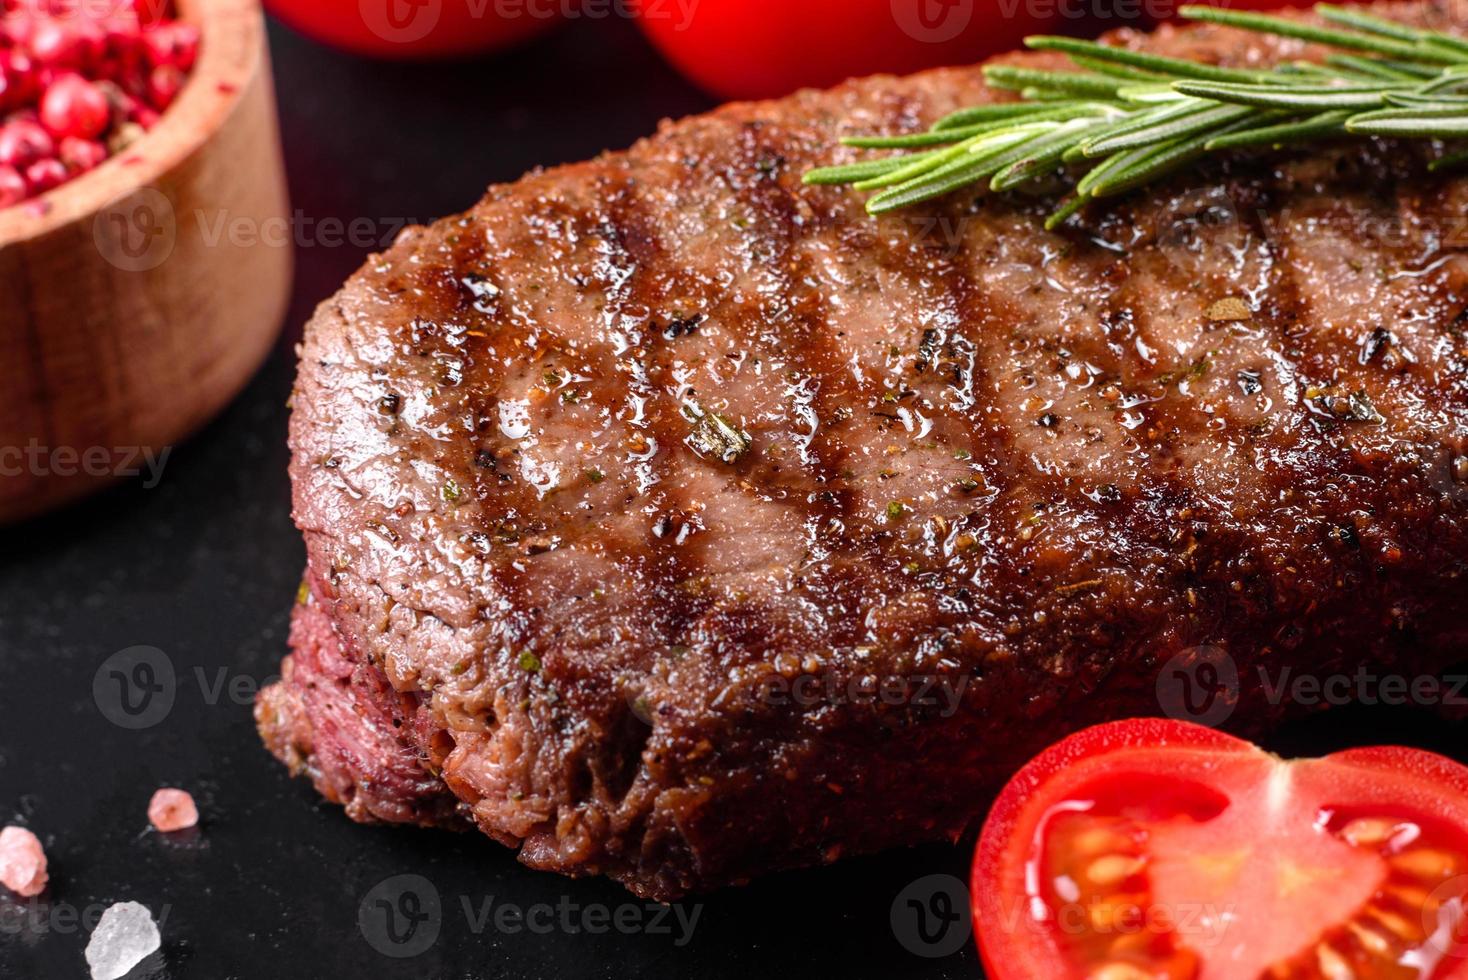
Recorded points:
124,937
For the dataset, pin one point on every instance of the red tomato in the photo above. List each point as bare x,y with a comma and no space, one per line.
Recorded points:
750,49
419,28
1144,850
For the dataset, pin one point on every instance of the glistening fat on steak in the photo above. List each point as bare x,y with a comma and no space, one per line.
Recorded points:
623,490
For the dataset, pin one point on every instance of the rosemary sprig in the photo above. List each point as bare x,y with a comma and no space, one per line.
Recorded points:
1124,119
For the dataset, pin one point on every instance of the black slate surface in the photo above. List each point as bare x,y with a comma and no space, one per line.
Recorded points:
203,568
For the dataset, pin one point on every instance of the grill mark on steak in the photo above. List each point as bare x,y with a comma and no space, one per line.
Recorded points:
810,360
1125,507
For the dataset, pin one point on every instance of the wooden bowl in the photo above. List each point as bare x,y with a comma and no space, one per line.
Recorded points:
138,299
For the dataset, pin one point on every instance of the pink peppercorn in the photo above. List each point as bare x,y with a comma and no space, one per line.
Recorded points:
163,86
45,175
78,79
23,142
20,77
57,45
12,187
79,155
73,106
175,45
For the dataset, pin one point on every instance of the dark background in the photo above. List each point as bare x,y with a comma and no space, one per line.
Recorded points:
204,568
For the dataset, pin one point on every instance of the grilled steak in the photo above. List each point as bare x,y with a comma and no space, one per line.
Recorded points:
671,520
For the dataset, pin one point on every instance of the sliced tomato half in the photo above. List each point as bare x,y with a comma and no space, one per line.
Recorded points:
1160,850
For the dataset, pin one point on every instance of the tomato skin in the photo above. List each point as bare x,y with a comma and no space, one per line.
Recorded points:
1012,948
999,868
754,49
417,29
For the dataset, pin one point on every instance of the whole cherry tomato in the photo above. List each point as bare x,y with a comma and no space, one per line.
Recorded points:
747,49
1160,849
402,29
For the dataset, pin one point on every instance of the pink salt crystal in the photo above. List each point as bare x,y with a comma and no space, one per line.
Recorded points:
172,809
22,862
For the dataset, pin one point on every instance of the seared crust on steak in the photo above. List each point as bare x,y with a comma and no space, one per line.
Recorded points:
1026,467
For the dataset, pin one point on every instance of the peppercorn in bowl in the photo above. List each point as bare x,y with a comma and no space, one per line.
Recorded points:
145,246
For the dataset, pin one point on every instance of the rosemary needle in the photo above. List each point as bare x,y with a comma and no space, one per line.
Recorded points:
1278,134
1127,118
1450,162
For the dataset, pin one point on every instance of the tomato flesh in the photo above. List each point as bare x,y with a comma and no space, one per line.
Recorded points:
1149,850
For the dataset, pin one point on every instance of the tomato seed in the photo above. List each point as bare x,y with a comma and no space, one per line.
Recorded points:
1100,840
1369,831
1409,895
1113,869
1426,863
1121,971
1370,939
1394,923
1333,966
